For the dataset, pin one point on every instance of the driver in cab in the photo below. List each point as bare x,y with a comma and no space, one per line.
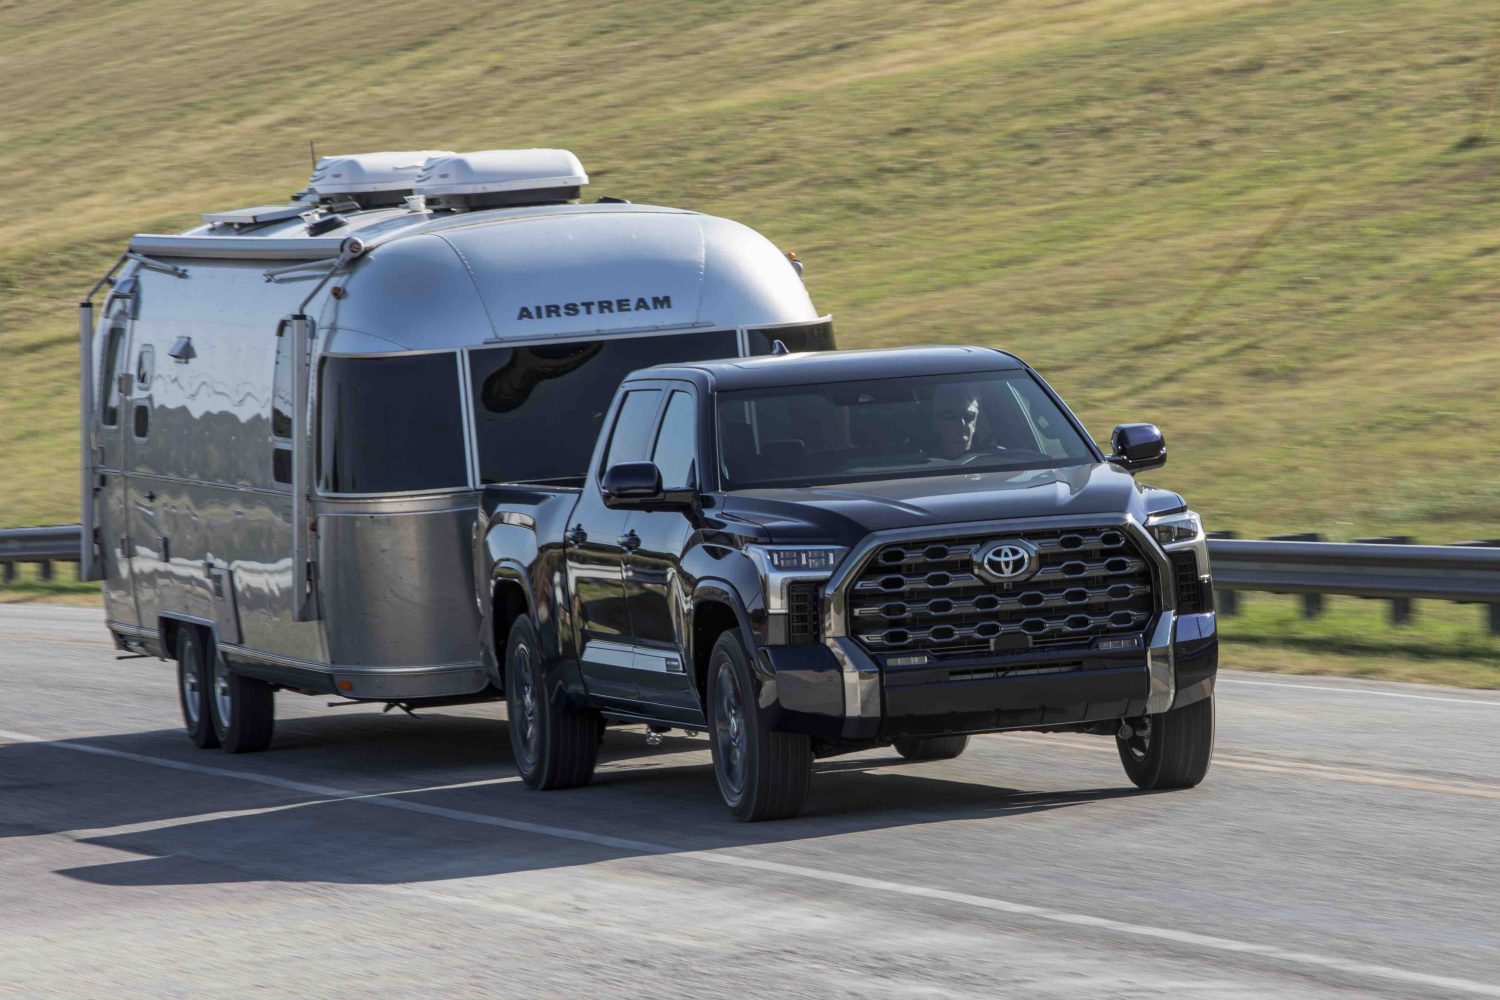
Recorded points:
954,421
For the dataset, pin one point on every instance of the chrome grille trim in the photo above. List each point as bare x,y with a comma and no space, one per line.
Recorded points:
918,593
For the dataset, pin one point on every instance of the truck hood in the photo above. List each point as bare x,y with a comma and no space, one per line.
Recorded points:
845,513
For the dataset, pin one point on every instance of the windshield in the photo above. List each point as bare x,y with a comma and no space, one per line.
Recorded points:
891,429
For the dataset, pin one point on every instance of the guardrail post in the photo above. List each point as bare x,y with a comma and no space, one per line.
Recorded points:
1226,602
45,572
1492,611
1401,607
1312,604
10,572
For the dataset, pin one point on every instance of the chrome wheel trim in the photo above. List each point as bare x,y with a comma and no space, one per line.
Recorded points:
223,697
729,730
192,690
526,701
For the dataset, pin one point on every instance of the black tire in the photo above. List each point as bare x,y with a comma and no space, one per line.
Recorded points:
243,709
193,688
1174,751
933,747
553,747
762,774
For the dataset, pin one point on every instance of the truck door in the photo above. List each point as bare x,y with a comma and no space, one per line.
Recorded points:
654,588
110,415
596,555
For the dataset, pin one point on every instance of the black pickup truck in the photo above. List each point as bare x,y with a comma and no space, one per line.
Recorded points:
810,554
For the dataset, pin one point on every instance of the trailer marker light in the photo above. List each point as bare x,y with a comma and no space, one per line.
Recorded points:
345,684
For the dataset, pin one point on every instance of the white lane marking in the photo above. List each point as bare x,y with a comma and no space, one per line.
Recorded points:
1204,941
1354,690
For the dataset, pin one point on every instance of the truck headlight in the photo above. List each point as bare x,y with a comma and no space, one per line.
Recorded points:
797,558
1181,528
780,564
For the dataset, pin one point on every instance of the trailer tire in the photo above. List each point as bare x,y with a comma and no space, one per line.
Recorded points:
194,688
554,747
243,708
762,774
1175,750
933,747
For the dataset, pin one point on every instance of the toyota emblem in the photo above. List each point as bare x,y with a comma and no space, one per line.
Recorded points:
1006,561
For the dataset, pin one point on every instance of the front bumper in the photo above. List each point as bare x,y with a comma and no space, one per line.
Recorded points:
837,690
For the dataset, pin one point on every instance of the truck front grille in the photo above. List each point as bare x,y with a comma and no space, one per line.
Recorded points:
928,596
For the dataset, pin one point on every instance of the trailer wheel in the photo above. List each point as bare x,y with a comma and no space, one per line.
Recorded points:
554,747
1170,750
762,774
193,686
243,709
933,747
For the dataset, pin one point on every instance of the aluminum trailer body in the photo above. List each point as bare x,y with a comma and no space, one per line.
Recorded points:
288,412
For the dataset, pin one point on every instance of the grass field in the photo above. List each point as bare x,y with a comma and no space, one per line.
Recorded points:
1270,227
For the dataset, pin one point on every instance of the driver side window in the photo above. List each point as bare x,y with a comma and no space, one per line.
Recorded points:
677,443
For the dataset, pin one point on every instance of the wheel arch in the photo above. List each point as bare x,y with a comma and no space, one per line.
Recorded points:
717,608
510,597
169,624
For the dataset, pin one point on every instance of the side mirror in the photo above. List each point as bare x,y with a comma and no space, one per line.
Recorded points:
1138,446
638,485
631,484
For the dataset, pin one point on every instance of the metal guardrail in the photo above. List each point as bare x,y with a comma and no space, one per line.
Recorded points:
1384,568
42,546
1467,573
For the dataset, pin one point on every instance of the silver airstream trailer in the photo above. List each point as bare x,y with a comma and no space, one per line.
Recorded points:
288,411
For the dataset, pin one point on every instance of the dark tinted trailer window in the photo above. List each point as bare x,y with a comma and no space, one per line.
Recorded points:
809,337
390,425
109,386
538,410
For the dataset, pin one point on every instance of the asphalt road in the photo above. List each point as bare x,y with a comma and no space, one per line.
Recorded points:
1344,844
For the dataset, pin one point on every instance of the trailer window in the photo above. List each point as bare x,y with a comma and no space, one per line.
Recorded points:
109,388
390,425
538,410
808,337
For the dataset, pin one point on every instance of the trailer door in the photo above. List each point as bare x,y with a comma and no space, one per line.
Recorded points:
111,404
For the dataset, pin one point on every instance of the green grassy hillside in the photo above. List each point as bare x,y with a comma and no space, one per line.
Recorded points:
1270,227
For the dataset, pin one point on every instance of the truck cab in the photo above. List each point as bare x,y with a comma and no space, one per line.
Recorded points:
811,554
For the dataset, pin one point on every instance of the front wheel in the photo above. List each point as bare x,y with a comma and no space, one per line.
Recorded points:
762,774
553,747
1170,750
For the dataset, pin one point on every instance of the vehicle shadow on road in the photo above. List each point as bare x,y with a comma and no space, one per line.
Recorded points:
448,778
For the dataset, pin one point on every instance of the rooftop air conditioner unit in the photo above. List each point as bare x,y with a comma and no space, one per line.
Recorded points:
498,177
370,179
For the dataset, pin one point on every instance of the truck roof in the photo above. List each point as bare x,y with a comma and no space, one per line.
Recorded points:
770,371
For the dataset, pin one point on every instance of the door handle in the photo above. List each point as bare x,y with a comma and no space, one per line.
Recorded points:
577,536
150,496
630,541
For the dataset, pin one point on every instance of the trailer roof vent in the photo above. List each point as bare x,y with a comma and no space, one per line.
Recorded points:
370,179
492,178
255,215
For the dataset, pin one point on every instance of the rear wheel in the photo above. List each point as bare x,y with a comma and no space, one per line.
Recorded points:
762,774
243,708
553,747
193,684
932,747
1170,750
